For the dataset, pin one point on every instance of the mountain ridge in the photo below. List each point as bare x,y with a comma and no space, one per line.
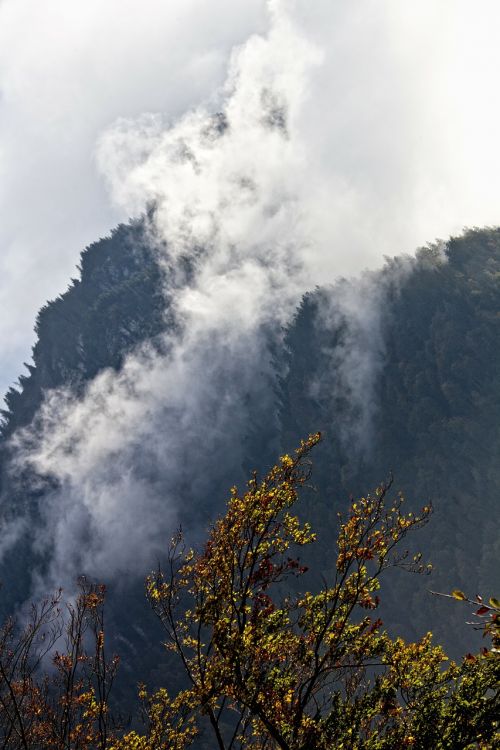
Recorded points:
433,395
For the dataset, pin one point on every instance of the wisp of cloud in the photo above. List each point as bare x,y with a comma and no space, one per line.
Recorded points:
227,194
289,177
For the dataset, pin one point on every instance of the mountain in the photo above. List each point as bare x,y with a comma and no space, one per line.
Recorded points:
399,369
435,421
114,305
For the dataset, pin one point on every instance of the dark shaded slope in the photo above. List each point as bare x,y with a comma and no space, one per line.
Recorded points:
116,304
436,425
436,421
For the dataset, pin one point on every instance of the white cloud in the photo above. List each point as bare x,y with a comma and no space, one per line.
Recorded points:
67,70
161,433
347,135
401,123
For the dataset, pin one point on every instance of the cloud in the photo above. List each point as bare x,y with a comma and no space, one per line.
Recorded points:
401,124
67,71
336,137
165,430
352,314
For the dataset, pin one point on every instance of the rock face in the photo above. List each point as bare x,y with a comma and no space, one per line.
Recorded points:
116,304
400,370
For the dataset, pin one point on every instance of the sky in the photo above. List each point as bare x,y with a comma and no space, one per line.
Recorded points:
401,124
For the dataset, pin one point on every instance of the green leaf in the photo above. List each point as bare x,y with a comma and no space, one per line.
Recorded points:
458,594
495,602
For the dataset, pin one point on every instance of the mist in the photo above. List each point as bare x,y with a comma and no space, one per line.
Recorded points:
166,430
337,136
401,125
67,71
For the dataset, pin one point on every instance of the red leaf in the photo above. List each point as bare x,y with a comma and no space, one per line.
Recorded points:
482,611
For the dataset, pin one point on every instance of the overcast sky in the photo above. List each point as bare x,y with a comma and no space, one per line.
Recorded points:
403,112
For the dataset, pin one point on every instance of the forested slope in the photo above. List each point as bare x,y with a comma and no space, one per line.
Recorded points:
428,405
436,422
114,305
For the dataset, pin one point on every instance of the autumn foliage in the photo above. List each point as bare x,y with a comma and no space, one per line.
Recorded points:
269,663
55,678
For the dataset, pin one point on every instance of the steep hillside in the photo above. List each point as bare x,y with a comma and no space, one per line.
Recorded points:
116,303
400,370
435,422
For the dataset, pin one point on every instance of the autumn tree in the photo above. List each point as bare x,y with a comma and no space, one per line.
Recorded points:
486,616
270,668
55,678
269,663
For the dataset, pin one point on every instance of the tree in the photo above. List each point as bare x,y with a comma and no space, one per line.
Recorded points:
487,616
268,663
67,705
269,668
